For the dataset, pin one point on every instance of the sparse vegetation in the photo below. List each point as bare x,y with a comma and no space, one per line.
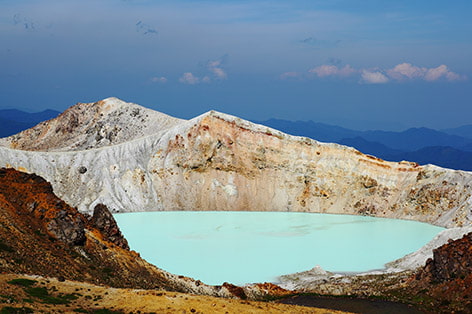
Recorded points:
16,310
43,294
7,298
22,282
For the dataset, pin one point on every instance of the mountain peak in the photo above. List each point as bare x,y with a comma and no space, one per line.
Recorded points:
85,126
112,103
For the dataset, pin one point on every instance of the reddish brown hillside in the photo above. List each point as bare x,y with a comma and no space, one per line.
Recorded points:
42,235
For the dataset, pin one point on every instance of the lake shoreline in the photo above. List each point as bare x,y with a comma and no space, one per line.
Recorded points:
351,304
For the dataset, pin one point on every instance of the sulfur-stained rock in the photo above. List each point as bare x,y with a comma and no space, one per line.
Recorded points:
32,195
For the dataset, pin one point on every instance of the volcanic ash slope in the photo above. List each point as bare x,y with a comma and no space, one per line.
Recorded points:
135,159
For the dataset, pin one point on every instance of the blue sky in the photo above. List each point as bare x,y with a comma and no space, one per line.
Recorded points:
361,64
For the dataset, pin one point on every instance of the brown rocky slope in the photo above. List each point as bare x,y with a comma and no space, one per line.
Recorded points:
42,235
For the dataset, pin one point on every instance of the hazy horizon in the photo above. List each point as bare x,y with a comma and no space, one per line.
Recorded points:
332,123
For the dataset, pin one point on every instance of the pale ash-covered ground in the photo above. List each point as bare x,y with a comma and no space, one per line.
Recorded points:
135,159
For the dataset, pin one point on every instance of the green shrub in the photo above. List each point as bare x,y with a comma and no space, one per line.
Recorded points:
16,310
43,294
69,297
7,298
22,282
38,292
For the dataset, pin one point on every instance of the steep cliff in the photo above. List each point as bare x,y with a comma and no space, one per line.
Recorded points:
219,162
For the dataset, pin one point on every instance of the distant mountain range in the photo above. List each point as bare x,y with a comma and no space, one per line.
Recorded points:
450,148
13,121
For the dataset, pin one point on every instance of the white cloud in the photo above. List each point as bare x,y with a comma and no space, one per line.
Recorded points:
213,71
157,79
216,69
401,72
373,77
405,71
332,70
324,70
189,78
435,74
451,76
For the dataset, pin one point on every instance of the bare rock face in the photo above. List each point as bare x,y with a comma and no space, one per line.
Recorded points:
444,284
103,220
66,229
220,162
450,261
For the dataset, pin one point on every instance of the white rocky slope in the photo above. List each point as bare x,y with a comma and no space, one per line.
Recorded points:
93,125
135,159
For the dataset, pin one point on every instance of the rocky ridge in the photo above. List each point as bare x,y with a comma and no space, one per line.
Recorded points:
219,162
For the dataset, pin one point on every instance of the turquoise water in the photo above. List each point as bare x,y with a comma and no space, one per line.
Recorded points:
247,247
